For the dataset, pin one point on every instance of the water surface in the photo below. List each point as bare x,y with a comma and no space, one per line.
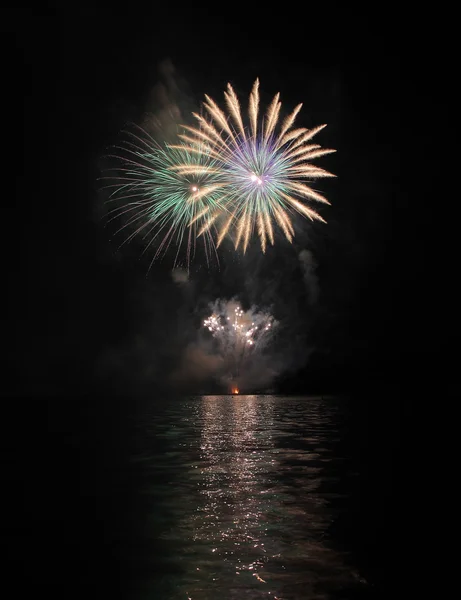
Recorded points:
237,497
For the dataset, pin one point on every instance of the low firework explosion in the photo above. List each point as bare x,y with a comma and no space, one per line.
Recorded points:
240,338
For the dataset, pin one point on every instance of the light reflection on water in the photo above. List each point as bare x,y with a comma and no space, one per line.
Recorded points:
250,484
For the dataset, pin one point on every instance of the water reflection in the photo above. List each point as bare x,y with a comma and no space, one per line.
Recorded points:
256,490
237,460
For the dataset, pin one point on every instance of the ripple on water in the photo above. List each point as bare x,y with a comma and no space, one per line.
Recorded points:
251,490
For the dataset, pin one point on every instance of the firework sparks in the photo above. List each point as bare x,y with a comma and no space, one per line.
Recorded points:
222,178
167,194
264,173
239,335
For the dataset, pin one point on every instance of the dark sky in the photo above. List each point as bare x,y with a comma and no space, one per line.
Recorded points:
81,75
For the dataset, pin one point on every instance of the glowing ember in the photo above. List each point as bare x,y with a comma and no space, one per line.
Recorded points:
235,390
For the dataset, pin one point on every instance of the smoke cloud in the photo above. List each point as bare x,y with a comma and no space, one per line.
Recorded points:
232,349
309,266
169,105
180,275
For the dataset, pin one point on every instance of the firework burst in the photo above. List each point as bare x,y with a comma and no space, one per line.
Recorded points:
167,194
266,169
240,336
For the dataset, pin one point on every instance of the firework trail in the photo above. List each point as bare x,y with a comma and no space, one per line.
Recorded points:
240,337
167,195
265,168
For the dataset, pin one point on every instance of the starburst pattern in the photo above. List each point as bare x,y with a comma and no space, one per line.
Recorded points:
167,194
266,169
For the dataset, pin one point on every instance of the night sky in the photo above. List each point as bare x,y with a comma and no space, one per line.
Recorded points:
85,76
88,322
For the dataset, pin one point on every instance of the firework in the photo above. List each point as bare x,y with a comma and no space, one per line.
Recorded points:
265,168
167,194
222,178
240,337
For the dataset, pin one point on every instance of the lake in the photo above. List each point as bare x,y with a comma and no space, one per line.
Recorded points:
204,497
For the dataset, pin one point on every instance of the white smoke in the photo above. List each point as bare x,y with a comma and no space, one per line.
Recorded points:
232,348
311,280
180,275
